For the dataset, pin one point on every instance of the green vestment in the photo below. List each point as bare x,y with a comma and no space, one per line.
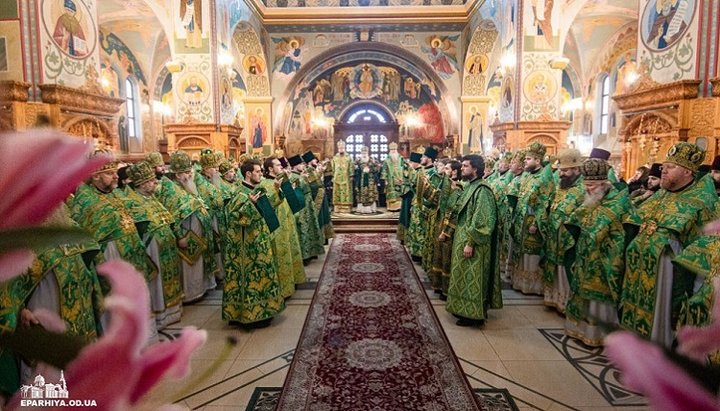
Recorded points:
285,240
392,172
311,238
662,226
343,168
701,259
251,291
595,259
407,193
159,227
107,218
320,200
475,282
442,253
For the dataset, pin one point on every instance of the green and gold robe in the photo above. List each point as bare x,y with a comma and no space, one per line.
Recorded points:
700,259
652,293
164,257
500,186
322,207
442,254
558,241
595,263
475,282
105,216
392,172
79,300
251,291
418,229
214,200
343,169
533,200
186,207
367,174
311,238
285,240
407,193
435,194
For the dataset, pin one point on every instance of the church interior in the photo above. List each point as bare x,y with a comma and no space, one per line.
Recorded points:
264,77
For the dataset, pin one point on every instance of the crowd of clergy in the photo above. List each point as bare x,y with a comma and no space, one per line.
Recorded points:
247,228
604,253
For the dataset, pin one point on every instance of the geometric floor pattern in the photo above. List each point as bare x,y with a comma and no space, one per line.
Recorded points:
492,399
594,367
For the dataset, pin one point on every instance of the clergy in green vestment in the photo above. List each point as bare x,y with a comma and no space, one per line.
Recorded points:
595,259
311,238
226,183
435,195
407,193
315,171
653,293
251,291
442,254
193,227
160,244
510,255
700,259
499,185
61,280
392,173
208,186
419,224
605,155
568,196
285,240
474,277
530,220
103,212
343,168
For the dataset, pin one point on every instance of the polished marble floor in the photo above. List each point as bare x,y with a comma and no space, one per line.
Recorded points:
521,348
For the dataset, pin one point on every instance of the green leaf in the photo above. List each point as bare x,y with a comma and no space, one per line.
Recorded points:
41,345
40,238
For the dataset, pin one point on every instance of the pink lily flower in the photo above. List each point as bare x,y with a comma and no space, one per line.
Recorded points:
118,370
38,170
699,342
712,228
646,369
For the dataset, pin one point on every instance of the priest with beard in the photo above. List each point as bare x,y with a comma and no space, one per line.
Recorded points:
595,259
311,238
160,244
568,196
653,292
251,291
652,185
155,160
474,275
100,210
193,227
208,185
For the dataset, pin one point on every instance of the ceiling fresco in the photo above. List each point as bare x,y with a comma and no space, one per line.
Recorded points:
359,3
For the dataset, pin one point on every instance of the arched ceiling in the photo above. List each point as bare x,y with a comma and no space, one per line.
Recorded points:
593,28
140,24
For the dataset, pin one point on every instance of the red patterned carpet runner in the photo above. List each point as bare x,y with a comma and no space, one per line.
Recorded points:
371,340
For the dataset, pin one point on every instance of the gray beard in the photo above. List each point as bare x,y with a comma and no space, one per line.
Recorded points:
189,186
215,179
593,200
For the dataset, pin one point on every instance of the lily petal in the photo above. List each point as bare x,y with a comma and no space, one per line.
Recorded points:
712,228
38,170
699,342
169,357
647,370
15,263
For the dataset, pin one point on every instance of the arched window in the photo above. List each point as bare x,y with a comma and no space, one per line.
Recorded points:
605,105
131,105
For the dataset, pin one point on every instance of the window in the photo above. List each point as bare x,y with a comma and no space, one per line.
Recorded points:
605,105
131,106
